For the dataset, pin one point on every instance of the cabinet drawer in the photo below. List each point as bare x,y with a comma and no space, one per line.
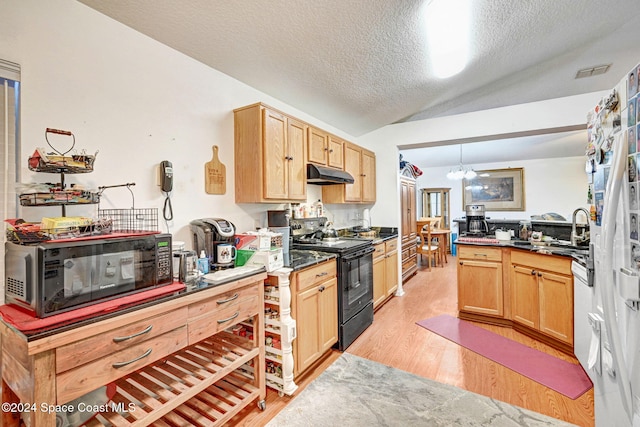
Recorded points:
317,274
222,301
391,245
554,263
378,250
108,342
79,381
223,318
479,253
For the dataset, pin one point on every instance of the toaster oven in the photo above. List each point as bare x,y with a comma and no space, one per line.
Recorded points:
53,277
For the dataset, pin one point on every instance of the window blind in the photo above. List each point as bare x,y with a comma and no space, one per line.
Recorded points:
9,125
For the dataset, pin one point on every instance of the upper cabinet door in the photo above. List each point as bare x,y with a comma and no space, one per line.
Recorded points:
297,169
368,176
353,192
318,143
336,148
276,163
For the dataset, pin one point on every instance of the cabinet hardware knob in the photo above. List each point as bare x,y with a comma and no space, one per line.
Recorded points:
461,263
321,288
539,274
533,272
331,151
221,321
121,364
224,301
144,331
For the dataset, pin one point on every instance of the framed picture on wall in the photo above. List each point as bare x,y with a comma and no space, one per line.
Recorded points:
496,189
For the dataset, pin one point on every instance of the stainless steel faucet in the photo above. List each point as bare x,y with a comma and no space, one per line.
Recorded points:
575,238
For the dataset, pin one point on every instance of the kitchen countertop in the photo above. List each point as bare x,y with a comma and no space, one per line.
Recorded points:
577,252
299,259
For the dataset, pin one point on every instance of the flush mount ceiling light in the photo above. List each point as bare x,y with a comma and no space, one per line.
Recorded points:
447,25
461,172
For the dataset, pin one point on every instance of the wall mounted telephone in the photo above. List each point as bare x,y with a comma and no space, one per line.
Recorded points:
166,176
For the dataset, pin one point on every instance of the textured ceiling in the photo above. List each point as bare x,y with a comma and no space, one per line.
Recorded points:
360,65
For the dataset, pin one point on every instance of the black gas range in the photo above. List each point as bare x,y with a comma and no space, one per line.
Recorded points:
355,274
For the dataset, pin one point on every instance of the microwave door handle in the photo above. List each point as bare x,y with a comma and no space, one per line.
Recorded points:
28,264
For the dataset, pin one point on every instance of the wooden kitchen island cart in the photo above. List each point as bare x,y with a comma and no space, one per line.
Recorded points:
174,362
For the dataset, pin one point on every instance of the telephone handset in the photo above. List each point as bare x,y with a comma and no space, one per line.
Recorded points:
166,176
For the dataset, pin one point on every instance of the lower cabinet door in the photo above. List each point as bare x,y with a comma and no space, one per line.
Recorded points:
480,287
524,296
556,301
308,339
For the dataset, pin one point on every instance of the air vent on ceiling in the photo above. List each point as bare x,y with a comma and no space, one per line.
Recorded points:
592,71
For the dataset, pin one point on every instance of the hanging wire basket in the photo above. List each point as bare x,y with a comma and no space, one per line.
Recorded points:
134,220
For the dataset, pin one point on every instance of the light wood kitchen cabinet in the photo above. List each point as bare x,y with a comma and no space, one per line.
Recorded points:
270,156
408,227
480,287
385,271
542,294
361,164
325,149
315,308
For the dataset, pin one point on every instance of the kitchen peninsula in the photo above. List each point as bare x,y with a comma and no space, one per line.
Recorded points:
520,285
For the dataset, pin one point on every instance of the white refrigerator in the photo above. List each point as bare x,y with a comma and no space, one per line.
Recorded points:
606,309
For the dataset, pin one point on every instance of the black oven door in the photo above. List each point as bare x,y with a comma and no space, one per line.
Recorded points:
356,282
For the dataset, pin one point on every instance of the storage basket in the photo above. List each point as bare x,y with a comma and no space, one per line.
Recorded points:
131,220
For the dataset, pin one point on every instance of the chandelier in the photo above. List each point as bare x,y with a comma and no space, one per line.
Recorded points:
461,172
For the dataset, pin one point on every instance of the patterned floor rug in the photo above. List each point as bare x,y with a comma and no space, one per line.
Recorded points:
356,392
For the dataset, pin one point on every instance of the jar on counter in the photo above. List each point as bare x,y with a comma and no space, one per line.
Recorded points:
524,230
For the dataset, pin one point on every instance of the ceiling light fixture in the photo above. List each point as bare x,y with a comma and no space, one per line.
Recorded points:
461,172
448,27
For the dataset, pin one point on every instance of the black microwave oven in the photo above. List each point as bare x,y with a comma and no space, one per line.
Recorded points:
53,277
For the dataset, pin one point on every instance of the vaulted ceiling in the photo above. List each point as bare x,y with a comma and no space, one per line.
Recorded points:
361,65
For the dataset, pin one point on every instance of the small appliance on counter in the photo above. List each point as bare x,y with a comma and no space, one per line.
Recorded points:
54,277
214,236
476,220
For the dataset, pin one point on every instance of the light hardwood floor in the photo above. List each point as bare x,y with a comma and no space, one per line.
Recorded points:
394,339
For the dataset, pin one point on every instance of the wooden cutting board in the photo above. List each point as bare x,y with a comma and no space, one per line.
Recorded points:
215,175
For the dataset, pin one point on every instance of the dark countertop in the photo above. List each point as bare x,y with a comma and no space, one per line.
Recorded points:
126,308
299,259
576,252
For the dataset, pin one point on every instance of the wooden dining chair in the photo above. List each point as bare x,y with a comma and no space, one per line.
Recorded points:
427,246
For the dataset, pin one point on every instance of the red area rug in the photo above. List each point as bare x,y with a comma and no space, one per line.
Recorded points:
564,377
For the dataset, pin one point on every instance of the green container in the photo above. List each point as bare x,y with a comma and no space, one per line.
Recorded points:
243,256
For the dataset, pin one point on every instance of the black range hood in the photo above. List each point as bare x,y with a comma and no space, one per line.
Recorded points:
321,175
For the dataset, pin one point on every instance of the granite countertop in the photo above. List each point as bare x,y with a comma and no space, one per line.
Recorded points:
299,259
579,252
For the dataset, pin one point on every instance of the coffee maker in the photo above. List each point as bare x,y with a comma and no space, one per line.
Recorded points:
208,234
476,222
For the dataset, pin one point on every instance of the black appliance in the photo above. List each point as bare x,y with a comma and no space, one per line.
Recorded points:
355,275
53,277
321,175
208,233
476,221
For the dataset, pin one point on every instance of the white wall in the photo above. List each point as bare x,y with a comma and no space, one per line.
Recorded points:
551,185
133,100
550,114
